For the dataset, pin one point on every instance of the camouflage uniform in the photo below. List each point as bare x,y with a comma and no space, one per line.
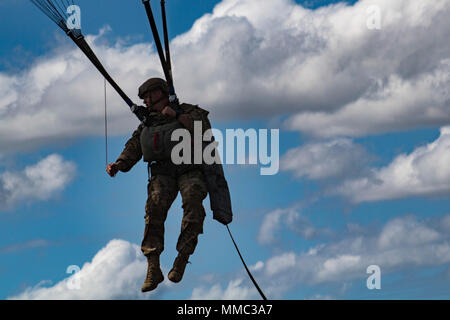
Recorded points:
165,182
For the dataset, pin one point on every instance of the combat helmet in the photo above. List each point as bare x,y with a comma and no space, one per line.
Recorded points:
151,84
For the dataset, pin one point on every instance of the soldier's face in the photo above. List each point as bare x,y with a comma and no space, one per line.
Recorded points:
153,97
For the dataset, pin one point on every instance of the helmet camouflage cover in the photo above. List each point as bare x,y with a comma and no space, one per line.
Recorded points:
151,84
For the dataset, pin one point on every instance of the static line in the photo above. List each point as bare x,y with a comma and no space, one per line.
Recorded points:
245,265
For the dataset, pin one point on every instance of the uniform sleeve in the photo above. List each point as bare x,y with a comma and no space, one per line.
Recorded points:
199,114
132,152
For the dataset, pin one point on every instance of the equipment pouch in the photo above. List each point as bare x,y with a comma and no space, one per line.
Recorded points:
156,143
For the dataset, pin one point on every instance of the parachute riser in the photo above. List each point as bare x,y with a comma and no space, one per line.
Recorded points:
166,37
80,41
56,13
174,103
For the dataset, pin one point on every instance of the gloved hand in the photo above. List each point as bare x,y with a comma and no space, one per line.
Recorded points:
141,112
113,168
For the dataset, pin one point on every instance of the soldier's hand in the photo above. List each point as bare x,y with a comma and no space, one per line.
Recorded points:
168,111
112,169
187,121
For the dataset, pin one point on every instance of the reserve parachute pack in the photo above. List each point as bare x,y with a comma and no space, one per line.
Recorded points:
219,194
156,143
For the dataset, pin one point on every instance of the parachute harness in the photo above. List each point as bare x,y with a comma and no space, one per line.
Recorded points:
55,10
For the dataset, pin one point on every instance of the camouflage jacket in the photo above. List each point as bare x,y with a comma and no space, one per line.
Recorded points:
132,152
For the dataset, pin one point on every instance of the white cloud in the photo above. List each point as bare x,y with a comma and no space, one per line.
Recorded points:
400,76
279,263
36,182
423,172
397,104
327,159
116,272
61,95
333,267
406,232
258,266
234,291
402,243
291,218
324,66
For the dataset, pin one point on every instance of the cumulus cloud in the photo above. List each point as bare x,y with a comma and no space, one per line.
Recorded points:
40,181
283,58
324,66
423,172
291,218
116,272
399,105
403,242
400,76
336,158
61,95
234,291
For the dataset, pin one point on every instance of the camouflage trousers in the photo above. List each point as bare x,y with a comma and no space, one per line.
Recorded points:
162,191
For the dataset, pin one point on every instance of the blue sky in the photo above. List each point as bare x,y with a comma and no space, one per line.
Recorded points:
364,145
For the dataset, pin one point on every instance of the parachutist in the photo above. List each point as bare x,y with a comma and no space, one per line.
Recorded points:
167,179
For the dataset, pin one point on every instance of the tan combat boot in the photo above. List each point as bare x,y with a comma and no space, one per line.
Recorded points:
176,274
154,274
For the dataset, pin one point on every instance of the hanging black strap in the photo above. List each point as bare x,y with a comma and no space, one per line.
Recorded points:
245,265
166,36
162,58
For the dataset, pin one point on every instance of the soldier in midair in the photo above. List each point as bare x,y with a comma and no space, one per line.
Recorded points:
166,180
